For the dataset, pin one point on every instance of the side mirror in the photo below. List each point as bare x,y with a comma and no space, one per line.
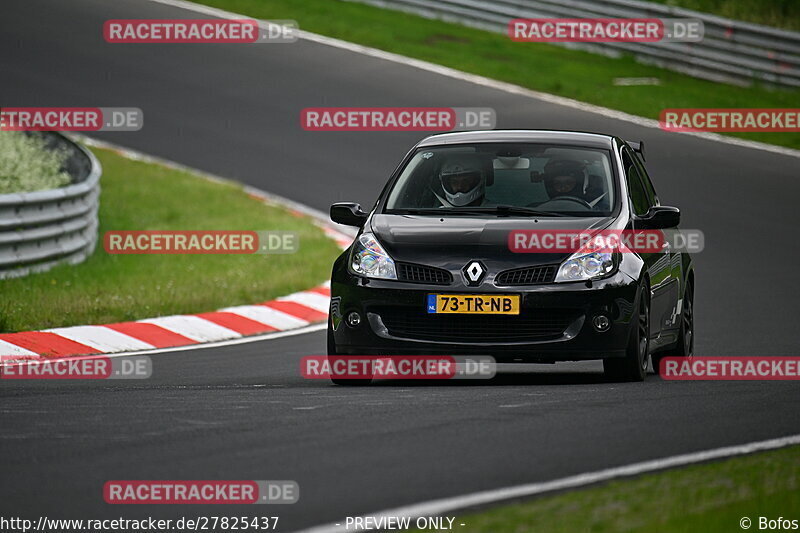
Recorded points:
638,147
660,217
349,214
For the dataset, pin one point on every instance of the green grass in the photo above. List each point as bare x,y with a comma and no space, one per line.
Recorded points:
779,13
140,196
543,67
706,498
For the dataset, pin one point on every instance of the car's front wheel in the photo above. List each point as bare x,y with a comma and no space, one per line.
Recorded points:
633,367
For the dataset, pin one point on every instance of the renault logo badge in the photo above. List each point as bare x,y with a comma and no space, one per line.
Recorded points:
474,272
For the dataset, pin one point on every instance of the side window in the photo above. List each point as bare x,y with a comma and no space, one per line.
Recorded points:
635,187
648,184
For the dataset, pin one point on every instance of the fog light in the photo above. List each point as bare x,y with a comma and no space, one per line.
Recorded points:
601,323
353,319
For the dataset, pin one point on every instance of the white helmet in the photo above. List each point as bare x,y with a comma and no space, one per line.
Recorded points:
463,182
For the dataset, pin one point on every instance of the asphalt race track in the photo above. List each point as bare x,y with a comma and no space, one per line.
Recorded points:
244,412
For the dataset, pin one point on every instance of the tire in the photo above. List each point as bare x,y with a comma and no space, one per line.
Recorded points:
332,352
633,367
684,347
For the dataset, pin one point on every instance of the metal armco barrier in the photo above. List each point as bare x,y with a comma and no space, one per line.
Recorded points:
41,229
732,51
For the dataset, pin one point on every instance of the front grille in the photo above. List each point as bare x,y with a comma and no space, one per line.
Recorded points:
423,274
530,326
526,276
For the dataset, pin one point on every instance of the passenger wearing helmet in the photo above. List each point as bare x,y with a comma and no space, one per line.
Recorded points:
463,183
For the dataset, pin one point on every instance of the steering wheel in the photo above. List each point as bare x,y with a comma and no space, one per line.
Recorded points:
575,199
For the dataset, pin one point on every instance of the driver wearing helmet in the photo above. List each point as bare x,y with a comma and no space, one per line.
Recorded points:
564,177
463,183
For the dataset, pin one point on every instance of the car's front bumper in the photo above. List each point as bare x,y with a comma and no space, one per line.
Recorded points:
554,324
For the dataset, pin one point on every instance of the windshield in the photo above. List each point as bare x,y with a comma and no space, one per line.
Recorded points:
503,178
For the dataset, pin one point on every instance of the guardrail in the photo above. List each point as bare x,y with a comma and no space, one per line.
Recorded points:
732,51
41,229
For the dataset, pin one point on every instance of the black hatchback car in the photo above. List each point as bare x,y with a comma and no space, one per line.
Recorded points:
433,270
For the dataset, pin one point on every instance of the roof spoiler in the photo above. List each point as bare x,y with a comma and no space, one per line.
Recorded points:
638,147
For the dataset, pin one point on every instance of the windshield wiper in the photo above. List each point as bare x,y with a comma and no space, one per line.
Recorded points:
436,211
517,210
499,210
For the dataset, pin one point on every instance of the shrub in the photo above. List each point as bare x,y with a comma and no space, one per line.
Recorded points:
26,164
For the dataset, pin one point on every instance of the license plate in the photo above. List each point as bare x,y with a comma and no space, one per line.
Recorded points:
474,304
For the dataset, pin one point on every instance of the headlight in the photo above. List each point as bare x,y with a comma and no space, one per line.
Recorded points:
586,265
369,259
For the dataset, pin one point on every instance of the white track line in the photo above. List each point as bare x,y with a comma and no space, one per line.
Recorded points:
448,505
487,82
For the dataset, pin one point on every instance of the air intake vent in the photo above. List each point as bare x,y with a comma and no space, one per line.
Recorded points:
423,274
526,276
416,324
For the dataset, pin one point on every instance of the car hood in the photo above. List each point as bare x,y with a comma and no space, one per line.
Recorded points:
450,242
